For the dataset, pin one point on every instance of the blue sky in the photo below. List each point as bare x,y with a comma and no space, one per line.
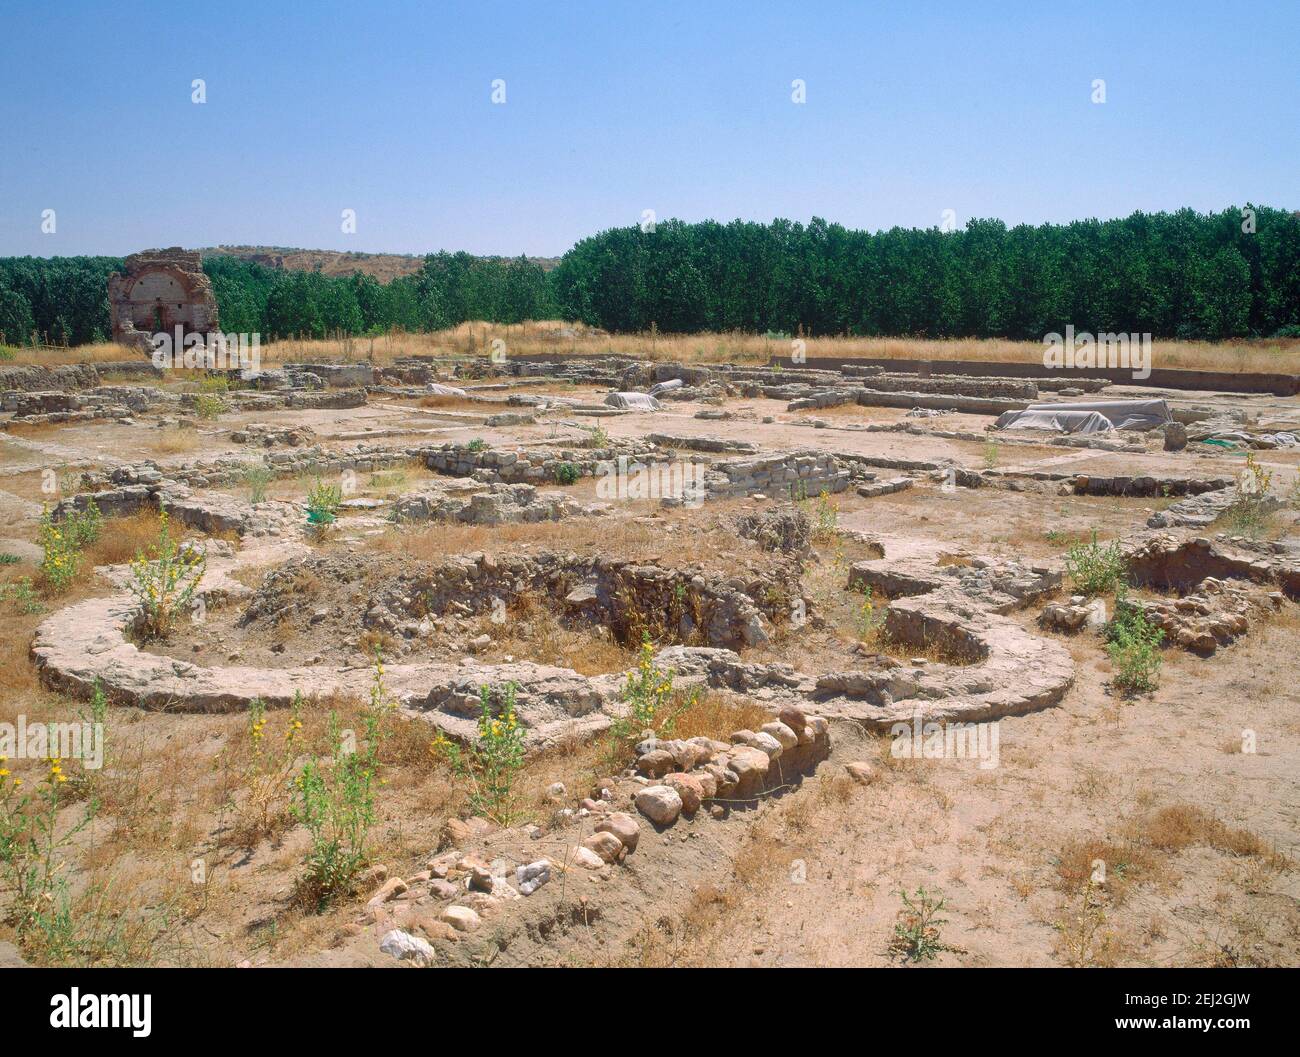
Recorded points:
616,107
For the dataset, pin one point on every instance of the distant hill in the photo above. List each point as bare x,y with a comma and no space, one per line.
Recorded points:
383,266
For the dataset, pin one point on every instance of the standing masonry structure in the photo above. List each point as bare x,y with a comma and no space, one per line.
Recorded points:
161,290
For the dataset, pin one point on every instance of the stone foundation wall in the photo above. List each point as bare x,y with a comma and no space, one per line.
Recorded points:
801,474
533,465
1089,484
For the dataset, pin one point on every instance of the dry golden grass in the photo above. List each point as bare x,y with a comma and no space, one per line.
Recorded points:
553,337
1125,863
173,440
607,536
541,338
20,428
123,537
100,352
717,716
1178,826
17,673
33,485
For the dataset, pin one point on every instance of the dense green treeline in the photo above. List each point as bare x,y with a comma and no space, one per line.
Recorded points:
449,289
64,300
1178,274
1184,274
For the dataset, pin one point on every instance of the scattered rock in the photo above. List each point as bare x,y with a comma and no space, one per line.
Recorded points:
458,831
624,827
441,889
463,919
606,845
531,877
689,790
391,890
661,804
405,947
656,763
861,772
586,858
787,738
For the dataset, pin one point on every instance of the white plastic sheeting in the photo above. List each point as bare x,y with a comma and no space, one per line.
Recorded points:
633,401
1056,421
1096,416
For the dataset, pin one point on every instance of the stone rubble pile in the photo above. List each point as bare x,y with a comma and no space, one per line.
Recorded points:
535,465
679,776
482,875
787,530
690,602
1214,614
1219,589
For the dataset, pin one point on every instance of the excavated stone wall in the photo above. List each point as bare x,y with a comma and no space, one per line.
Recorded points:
805,472
533,465
678,603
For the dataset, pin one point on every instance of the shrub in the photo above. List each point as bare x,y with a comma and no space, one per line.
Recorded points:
1251,512
323,502
86,526
491,764
268,773
1133,645
334,798
30,838
209,405
477,444
647,692
165,580
567,473
828,516
870,620
651,705
61,557
23,595
256,478
1095,569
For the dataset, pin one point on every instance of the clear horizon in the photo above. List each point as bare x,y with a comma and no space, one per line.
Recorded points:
612,110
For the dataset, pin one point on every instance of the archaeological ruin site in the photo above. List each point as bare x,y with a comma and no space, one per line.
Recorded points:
647,487
650,662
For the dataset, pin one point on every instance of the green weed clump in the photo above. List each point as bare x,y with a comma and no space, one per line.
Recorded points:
62,543
334,798
492,763
323,502
1095,569
165,580
1133,645
917,931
